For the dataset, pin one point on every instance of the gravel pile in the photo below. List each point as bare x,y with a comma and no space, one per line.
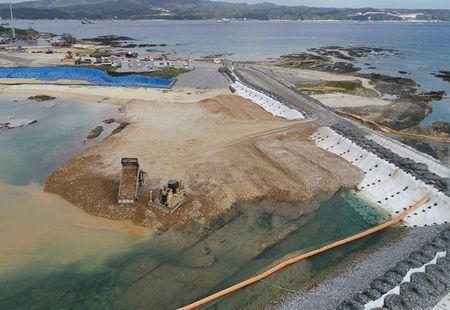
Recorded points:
418,170
382,265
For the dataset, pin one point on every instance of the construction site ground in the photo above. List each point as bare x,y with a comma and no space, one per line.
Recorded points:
225,149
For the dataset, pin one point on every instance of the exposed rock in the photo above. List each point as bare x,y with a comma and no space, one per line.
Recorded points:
11,123
119,128
444,75
392,85
109,121
95,132
41,98
112,40
441,126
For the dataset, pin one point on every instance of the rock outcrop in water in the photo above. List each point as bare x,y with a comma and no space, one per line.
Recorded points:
334,59
11,122
445,75
95,132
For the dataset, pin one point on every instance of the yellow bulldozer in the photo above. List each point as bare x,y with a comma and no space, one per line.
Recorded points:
169,198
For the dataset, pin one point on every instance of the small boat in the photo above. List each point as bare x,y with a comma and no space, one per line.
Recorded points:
224,20
87,22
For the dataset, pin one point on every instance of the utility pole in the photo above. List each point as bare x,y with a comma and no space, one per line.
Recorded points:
12,22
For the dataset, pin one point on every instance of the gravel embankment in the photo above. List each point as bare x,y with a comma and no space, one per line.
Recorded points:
356,278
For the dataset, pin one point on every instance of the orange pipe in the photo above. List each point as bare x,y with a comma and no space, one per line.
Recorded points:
389,130
298,258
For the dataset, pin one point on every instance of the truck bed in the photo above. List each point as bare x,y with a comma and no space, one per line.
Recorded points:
128,184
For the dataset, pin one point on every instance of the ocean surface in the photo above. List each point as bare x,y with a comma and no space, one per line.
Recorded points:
55,256
424,47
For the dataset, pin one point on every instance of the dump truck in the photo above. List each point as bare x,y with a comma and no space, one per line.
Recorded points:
169,198
131,181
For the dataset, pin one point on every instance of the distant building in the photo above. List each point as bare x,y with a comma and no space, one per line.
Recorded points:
143,65
162,63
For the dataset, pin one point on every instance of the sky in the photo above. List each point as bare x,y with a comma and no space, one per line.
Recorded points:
412,4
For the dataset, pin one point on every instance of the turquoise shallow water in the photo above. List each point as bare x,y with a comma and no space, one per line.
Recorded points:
28,154
175,268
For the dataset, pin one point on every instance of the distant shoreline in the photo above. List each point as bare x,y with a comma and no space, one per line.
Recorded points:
240,20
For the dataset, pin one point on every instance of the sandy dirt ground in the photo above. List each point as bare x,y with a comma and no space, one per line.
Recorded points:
225,149
33,59
345,100
112,95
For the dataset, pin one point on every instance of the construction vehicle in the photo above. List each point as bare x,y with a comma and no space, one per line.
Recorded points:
68,57
131,182
169,198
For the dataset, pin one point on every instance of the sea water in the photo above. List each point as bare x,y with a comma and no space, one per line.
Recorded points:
28,154
41,232
174,268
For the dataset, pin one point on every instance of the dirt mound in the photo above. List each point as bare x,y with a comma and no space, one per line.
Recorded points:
235,107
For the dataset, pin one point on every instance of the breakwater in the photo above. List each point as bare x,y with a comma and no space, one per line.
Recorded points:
269,101
95,76
390,181
416,282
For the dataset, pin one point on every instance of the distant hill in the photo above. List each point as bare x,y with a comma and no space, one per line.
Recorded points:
203,9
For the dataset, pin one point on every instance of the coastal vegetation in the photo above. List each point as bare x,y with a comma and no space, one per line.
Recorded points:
68,39
199,9
6,31
165,73
354,87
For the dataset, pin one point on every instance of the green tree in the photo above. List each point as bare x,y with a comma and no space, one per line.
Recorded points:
68,39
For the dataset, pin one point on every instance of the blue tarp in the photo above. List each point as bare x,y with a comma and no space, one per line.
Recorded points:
94,76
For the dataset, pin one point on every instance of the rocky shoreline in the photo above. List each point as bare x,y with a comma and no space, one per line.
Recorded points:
333,59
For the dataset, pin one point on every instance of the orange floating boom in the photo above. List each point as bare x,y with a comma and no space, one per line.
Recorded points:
296,259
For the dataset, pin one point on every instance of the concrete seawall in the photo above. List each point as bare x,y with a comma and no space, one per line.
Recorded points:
392,183
276,108
408,152
269,101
